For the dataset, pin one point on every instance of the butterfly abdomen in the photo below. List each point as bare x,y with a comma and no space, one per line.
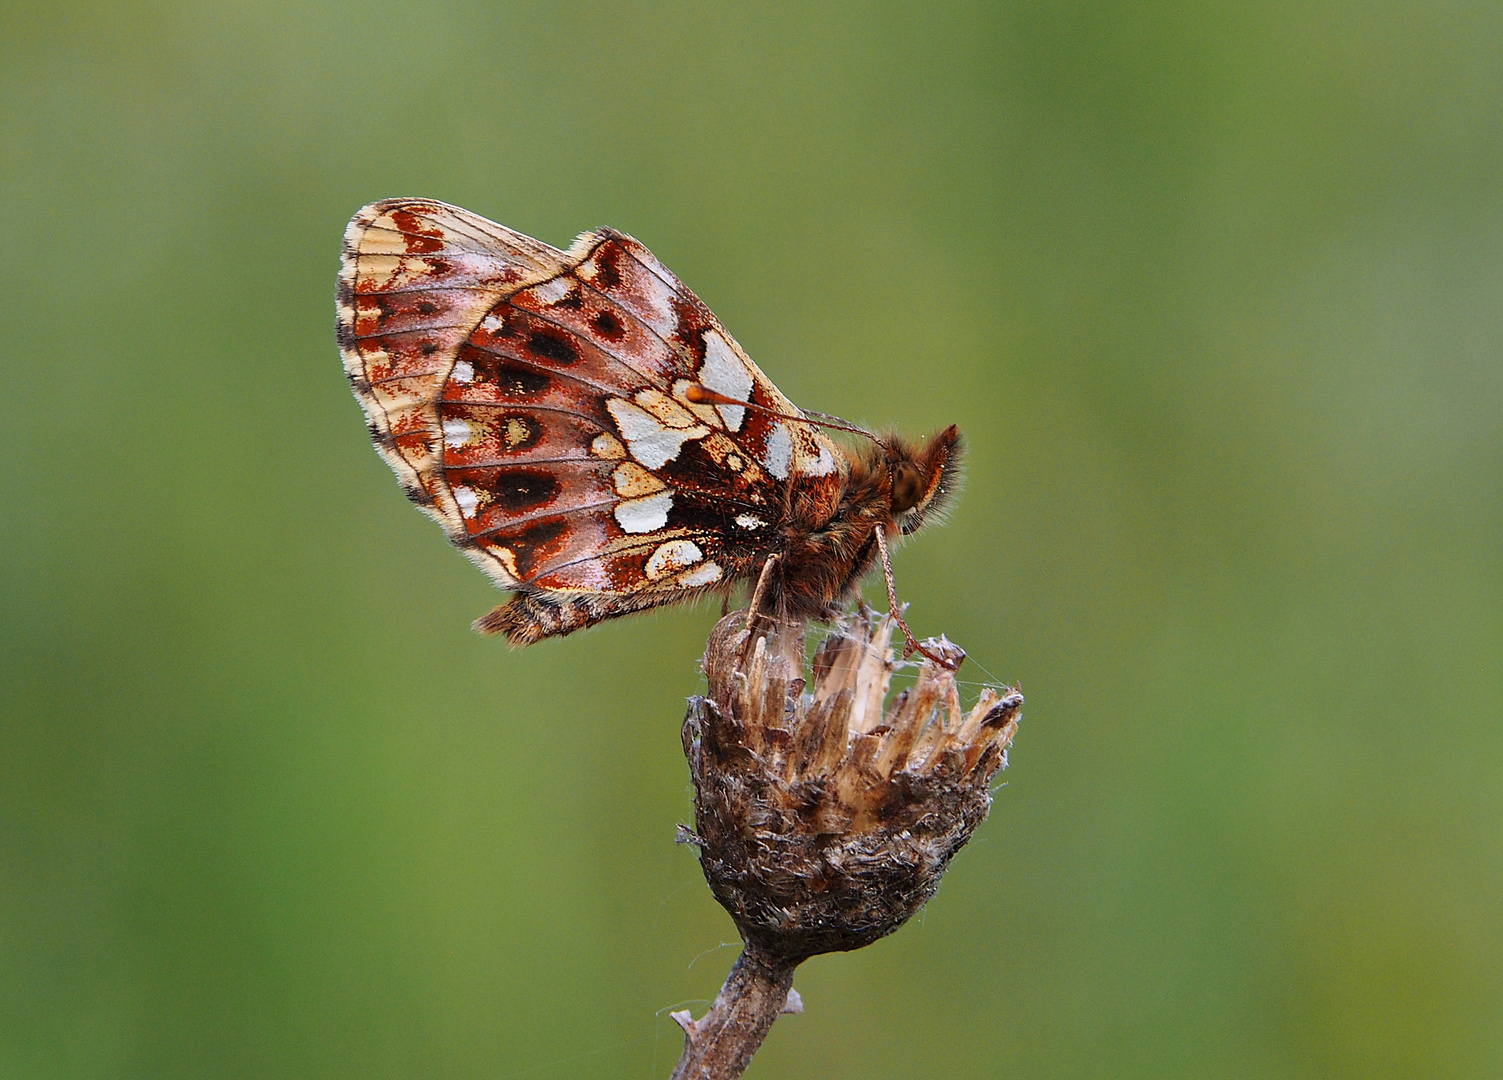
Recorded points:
530,616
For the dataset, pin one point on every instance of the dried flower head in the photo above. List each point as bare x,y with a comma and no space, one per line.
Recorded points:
823,820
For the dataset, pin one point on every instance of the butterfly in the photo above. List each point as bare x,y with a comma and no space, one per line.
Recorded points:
588,433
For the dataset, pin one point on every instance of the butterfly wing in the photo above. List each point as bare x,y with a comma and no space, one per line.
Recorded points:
414,279
533,402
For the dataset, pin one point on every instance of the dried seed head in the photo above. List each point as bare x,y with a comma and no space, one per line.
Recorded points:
823,821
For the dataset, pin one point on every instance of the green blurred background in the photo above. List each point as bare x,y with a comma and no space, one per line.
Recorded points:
1213,291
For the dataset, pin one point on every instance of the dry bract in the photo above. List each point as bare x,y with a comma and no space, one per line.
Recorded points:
823,822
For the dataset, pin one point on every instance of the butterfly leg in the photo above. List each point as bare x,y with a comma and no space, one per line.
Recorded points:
754,606
910,643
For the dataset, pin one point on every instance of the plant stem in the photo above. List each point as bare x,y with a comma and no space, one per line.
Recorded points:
720,1044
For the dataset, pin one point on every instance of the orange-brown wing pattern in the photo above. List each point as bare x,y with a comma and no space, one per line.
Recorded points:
534,401
414,279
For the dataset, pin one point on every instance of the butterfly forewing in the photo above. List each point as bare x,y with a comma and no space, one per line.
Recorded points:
534,401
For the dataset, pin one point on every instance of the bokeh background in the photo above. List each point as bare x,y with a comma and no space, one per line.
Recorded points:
1213,290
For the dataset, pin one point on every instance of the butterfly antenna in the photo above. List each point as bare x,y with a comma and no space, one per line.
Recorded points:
697,394
845,425
910,643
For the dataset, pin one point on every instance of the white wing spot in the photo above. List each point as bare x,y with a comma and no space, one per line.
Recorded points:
673,557
551,292
823,465
707,574
467,500
724,373
645,515
652,444
463,371
456,433
779,451
749,521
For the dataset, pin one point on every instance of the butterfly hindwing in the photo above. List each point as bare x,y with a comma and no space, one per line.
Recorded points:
414,278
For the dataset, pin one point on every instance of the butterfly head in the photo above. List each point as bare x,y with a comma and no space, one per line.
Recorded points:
923,477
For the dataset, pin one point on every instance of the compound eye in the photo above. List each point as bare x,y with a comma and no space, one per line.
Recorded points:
907,486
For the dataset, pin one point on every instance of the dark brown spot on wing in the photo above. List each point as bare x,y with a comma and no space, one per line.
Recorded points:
508,377
518,490
609,326
534,545
692,319
551,345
